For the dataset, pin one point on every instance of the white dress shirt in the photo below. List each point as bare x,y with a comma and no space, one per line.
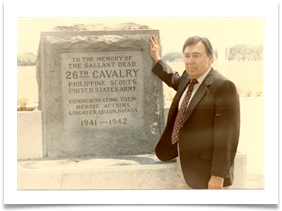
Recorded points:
196,86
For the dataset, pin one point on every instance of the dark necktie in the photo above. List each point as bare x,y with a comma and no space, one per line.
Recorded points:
181,112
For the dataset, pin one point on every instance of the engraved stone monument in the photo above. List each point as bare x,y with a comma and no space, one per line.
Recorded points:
97,93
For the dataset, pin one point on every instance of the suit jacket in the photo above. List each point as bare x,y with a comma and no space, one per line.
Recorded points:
209,135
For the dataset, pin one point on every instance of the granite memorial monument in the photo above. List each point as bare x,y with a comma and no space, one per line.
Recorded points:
97,93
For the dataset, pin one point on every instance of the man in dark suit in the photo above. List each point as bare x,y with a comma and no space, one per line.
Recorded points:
204,118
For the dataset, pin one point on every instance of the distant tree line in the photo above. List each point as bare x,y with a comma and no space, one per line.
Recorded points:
173,57
239,52
26,59
178,56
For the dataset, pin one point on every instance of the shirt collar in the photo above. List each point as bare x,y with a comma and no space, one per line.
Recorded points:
202,77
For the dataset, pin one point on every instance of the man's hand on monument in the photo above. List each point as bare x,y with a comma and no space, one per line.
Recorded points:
155,48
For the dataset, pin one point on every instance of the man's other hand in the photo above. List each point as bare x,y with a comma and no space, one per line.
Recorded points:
216,182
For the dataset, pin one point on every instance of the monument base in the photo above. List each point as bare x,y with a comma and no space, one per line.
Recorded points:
114,172
137,172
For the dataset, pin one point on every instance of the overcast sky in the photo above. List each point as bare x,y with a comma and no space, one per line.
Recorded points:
222,32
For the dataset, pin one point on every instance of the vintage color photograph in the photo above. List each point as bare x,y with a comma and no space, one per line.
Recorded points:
143,104
102,93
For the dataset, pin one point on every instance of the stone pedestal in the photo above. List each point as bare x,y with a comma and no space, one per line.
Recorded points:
116,173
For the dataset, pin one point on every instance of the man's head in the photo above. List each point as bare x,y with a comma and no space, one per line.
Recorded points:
198,56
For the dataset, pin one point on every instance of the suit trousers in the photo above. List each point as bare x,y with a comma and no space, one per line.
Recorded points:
181,183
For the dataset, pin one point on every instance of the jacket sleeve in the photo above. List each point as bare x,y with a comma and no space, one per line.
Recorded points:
166,74
226,129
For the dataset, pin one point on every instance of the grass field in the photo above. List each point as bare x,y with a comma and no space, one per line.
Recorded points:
247,76
27,84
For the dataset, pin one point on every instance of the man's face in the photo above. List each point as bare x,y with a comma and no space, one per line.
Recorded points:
196,60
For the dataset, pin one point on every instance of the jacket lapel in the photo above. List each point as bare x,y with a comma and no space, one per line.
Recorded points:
181,88
202,90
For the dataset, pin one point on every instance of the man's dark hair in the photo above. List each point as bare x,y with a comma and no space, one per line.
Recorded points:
195,39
